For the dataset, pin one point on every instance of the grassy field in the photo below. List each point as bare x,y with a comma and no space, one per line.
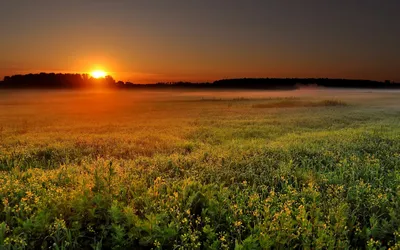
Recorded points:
310,169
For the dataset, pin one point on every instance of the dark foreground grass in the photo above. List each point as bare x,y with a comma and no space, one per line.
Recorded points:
142,171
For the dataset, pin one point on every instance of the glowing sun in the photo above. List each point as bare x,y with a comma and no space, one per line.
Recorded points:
98,74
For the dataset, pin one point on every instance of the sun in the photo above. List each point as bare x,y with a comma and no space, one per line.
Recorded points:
98,74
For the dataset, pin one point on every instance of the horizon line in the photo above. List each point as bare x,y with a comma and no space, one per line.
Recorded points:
209,81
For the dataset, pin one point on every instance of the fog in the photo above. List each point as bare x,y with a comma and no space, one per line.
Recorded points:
103,102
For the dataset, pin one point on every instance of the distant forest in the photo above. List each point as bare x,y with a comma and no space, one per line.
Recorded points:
55,81
73,81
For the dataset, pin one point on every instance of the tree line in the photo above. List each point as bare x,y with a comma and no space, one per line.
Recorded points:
62,81
56,81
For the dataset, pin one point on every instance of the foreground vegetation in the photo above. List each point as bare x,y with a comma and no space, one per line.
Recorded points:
176,170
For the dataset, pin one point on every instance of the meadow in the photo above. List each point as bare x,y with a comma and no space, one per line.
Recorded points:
180,169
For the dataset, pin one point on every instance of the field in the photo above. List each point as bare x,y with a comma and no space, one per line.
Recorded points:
175,169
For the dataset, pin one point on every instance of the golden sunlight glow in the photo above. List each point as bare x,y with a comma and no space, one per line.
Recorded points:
98,74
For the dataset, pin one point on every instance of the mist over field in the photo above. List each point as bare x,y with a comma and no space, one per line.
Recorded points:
109,101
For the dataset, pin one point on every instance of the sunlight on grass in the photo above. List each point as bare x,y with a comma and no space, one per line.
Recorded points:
145,171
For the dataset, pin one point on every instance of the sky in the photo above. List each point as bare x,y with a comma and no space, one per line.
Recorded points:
172,40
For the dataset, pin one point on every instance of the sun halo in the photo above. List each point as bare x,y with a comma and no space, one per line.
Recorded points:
98,74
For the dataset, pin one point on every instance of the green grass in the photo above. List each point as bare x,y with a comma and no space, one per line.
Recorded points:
199,170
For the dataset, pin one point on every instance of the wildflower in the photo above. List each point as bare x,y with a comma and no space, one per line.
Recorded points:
198,220
157,244
237,223
90,229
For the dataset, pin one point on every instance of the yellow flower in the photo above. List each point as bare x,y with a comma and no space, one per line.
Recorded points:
29,194
157,244
237,223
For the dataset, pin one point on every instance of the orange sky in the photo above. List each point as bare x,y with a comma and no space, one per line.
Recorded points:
201,41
